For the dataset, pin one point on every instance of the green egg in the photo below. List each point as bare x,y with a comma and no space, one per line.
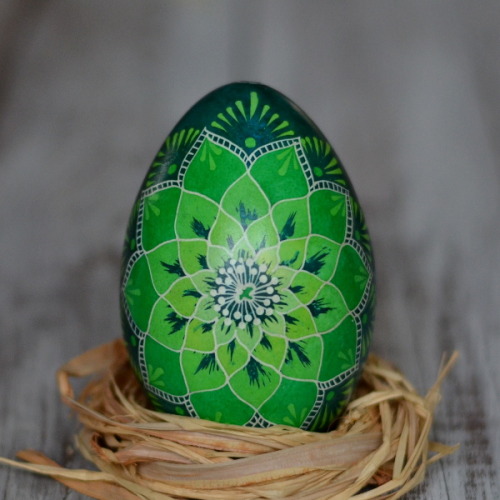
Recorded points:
247,285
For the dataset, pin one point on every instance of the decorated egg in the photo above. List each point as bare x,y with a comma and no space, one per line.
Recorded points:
247,286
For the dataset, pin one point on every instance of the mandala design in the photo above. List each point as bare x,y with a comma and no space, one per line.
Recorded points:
248,294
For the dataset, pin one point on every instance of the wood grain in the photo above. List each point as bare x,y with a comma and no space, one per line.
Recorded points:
408,94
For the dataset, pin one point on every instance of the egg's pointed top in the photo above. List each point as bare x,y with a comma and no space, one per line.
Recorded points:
249,114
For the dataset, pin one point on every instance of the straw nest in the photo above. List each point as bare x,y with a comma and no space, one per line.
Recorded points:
379,448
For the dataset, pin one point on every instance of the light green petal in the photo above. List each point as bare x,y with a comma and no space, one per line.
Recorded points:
232,356
159,217
292,253
274,325
328,308
182,296
288,301
205,310
304,359
292,219
321,257
269,257
216,257
262,233
198,378
165,266
243,249
299,323
166,326
193,255
305,286
212,170
224,331
195,216
280,175
249,340
285,275
225,232
328,214
271,350
245,202
202,281
199,337
255,383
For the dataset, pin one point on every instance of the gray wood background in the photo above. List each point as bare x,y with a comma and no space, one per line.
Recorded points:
408,93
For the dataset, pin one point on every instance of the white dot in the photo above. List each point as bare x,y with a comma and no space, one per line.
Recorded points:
262,268
269,311
221,290
240,269
257,321
253,271
262,278
232,262
260,310
216,308
228,281
213,293
274,280
222,271
249,262
237,315
240,259
242,325
270,290
227,322
221,301
267,302
248,318
275,298
218,281
225,312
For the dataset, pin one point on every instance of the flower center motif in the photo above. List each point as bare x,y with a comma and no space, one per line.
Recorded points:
244,292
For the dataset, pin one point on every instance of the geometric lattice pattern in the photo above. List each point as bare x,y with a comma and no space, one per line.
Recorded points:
247,284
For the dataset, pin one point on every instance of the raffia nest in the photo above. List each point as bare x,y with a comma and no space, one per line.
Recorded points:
380,448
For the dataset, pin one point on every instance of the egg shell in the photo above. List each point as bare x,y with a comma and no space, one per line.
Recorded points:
247,284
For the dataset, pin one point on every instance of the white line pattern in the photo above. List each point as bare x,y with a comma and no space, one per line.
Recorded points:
249,160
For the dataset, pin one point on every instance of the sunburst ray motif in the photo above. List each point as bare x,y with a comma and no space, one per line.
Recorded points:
250,121
167,161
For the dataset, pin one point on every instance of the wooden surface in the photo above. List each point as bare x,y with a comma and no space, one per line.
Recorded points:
408,92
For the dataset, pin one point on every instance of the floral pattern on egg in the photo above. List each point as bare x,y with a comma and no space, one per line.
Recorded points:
248,280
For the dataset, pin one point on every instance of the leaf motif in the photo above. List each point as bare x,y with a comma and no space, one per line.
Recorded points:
174,268
315,263
177,322
256,372
208,362
295,348
155,374
295,419
289,228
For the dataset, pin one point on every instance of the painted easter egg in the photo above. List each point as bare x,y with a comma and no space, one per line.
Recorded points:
247,288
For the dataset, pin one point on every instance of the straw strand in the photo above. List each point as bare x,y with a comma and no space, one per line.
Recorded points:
379,448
